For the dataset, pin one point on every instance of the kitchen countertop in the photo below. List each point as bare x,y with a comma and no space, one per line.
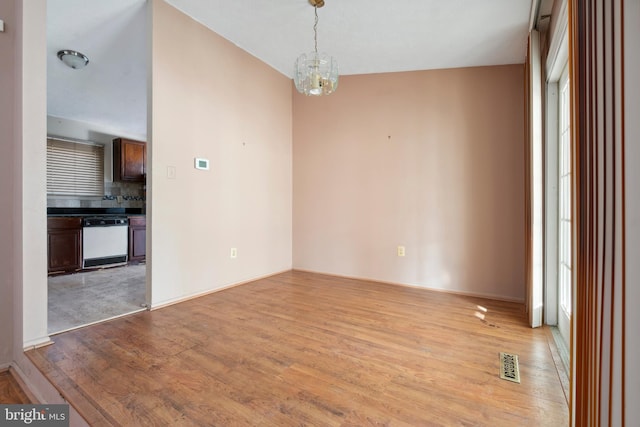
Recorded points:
87,212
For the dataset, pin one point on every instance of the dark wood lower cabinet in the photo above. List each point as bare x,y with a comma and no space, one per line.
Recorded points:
137,238
64,244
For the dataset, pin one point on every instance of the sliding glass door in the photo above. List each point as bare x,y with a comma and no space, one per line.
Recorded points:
564,210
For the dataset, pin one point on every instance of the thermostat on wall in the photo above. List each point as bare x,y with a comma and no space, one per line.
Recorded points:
202,164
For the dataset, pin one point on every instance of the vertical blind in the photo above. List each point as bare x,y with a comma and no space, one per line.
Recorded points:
74,168
597,48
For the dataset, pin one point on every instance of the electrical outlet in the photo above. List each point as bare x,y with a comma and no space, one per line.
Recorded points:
400,250
234,252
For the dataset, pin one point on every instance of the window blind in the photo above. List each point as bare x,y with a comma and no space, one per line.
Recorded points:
74,168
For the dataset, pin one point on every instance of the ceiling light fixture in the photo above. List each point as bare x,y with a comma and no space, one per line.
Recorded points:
316,74
73,59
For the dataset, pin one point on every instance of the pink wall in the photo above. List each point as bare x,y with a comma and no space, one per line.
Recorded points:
8,87
211,99
430,160
23,267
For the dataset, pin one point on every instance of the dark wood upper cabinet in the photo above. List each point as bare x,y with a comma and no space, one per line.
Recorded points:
129,160
64,244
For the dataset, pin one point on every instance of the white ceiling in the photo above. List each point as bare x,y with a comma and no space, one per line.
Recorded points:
112,90
364,36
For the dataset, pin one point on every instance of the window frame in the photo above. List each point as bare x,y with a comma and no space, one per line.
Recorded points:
74,167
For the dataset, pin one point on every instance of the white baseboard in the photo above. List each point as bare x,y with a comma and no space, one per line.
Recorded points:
427,288
172,301
27,384
37,343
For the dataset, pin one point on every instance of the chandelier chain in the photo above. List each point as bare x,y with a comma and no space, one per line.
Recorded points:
315,30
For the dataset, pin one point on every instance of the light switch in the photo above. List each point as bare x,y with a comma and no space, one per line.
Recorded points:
1,26
171,172
400,250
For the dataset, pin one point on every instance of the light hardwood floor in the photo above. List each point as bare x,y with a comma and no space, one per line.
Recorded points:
307,349
10,390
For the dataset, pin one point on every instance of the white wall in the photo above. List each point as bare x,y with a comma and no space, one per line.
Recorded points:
31,222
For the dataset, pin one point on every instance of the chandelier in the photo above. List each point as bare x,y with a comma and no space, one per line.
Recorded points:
316,74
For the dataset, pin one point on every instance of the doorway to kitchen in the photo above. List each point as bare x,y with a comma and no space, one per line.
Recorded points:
96,160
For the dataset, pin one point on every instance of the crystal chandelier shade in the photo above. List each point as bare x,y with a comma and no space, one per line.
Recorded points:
316,73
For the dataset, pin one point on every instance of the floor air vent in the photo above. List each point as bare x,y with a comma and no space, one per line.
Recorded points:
509,369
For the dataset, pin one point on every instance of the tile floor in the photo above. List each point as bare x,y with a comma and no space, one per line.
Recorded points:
83,298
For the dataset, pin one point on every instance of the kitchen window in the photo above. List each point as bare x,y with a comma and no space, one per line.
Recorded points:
74,168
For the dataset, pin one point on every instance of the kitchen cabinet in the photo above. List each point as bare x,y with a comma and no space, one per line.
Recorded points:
129,160
137,238
64,244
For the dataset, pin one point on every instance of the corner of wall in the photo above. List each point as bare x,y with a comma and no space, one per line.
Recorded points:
9,69
30,291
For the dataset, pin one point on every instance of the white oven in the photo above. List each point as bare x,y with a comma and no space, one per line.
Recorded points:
105,241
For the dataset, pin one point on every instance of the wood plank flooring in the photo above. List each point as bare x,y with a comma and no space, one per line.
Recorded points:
307,349
10,390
